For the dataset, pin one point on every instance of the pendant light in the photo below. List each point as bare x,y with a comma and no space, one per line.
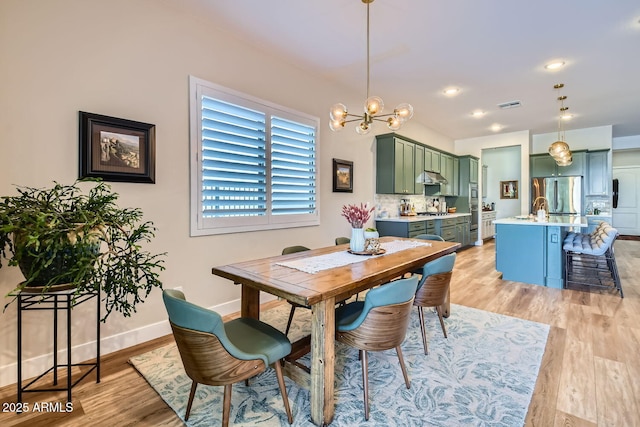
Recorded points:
373,107
560,150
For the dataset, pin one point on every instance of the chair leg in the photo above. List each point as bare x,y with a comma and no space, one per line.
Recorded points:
444,329
226,405
190,402
403,367
283,390
365,383
293,310
423,330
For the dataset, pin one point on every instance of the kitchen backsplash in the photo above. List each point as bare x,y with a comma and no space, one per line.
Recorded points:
602,204
388,205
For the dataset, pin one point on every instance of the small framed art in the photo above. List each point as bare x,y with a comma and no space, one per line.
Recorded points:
116,149
508,189
342,176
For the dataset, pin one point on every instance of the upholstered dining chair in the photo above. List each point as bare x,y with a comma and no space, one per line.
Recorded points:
217,353
286,251
378,323
433,290
342,240
426,237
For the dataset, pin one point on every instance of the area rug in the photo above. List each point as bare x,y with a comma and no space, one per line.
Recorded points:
482,375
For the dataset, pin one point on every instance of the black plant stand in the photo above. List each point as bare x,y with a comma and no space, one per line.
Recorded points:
57,301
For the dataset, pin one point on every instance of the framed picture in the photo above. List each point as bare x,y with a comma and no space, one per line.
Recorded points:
508,189
117,149
342,176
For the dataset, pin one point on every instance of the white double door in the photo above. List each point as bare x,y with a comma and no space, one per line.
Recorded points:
626,216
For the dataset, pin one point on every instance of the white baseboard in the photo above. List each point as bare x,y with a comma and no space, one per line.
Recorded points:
86,351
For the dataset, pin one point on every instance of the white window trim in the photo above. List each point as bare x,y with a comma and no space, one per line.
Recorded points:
200,226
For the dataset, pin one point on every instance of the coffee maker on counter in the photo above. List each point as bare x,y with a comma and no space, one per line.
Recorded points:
406,208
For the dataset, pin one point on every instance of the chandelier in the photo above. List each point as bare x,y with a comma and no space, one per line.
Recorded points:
373,107
559,150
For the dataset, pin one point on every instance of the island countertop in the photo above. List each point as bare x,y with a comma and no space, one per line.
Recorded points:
552,221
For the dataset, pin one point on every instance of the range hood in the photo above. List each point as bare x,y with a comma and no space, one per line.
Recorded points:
431,178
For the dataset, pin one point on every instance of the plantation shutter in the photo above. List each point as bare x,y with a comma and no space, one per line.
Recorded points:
234,181
253,163
293,168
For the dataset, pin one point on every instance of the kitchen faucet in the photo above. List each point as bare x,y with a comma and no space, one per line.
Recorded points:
544,204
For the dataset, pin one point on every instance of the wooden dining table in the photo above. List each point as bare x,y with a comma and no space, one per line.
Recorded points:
320,290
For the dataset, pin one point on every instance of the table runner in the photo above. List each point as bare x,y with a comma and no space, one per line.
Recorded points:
318,263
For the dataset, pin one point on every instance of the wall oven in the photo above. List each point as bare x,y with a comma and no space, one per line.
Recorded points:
473,205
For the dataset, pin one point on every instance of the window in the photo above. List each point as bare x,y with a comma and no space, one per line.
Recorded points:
253,163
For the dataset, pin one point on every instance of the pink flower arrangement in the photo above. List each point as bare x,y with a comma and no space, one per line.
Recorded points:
357,215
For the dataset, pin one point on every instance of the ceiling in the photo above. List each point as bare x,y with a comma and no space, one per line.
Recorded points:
494,51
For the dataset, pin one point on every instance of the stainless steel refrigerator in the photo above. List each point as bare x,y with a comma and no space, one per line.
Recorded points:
563,194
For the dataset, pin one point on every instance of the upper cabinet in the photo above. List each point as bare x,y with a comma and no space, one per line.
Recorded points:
598,177
544,165
468,174
396,166
450,170
431,160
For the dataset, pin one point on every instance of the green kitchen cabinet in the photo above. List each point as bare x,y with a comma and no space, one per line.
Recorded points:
431,160
468,174
449,168
598,176
395,166
542,165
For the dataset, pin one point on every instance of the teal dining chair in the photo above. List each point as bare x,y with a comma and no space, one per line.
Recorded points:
342,240
220,354
433,291
286,251
426,237
378,323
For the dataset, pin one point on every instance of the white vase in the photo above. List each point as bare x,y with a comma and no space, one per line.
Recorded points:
357,240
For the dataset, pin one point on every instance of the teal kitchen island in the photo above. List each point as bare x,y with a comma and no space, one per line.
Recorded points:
530,251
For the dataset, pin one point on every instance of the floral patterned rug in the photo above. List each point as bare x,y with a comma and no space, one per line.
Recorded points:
482,375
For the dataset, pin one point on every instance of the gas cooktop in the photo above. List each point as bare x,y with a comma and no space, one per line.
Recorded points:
433,213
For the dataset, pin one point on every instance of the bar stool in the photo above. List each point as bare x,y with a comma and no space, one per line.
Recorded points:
590,259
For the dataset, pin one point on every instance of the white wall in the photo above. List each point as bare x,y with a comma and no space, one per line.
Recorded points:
132,59
503,164
595,138
478,146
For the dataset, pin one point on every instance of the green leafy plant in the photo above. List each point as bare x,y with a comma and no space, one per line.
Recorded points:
62,235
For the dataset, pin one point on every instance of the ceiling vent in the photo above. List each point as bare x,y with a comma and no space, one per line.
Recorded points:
510,104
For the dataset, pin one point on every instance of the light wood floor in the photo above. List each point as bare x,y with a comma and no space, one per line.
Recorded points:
590,373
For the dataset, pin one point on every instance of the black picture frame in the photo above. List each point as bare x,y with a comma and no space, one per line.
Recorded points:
342,176
117,149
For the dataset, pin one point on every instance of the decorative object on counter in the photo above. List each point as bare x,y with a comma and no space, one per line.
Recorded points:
373,107
452,210
357,217
509,189
117,149
560,150
83,240
342,176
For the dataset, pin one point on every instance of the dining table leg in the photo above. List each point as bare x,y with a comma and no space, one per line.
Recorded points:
322,361
250,302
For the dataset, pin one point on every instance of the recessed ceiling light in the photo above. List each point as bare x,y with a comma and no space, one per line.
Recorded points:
496,127
478,113
566,116
451,91
554,65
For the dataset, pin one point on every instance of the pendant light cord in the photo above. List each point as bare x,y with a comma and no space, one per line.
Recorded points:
368,50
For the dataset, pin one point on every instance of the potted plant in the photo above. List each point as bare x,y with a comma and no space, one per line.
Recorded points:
371,233
62,237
